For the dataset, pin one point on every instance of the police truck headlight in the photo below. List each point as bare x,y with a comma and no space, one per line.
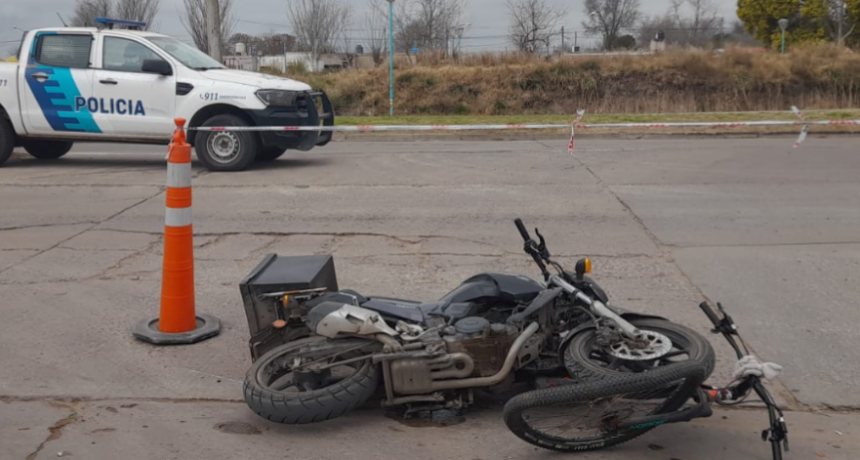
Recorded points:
277,97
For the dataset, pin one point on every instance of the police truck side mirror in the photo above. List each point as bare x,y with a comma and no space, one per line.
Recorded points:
158,66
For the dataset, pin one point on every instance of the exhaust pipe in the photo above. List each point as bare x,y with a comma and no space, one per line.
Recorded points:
493,379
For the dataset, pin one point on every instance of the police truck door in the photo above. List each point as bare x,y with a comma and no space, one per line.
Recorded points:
128,101
57,76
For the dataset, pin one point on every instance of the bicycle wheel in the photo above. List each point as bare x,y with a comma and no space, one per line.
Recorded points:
585,417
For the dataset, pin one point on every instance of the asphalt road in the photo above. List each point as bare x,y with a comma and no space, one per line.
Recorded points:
772,232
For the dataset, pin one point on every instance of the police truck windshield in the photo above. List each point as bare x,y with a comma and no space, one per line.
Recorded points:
188,55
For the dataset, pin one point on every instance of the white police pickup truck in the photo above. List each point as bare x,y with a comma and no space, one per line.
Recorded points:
113,84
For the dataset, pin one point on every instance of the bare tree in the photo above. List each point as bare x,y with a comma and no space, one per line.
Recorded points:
138,10
318,24
430,24
86,11
533,23
194,20
701,25
610,17
838,22
376,23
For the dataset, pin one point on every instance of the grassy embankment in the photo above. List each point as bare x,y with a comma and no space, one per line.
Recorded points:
524,89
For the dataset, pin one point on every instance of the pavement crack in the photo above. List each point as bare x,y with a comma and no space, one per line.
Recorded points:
28,227
90,227
55,431
106,273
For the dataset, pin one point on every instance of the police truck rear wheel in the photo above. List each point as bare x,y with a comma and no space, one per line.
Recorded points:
47,150
226,150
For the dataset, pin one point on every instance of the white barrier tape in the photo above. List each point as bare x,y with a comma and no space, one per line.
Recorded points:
580,114
804,132
344,129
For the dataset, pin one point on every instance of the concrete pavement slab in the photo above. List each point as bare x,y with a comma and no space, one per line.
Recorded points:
412,220
26,427
12,257
721,161
132,429
39,237
416,164
31,206
98,240
747,214
797,306
576,219
63,264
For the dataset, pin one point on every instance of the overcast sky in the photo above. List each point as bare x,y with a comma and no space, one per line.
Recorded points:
488,18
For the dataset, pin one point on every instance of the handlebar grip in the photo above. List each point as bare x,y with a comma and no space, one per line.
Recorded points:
522,228
710,312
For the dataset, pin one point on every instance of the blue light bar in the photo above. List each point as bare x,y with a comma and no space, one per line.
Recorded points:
120,22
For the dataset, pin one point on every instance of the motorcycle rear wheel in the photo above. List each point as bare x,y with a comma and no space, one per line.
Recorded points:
275,392
585,417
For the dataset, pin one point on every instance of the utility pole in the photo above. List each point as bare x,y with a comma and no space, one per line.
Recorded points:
213,28
391,57
447,40
563,50
783,24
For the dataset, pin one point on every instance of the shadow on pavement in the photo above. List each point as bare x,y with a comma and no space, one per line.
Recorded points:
82,162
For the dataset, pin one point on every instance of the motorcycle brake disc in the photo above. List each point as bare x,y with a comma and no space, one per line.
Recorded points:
651,346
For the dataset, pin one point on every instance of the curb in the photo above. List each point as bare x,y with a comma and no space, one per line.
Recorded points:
496,137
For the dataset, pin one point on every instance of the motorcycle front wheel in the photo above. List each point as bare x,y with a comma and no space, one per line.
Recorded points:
311,380
586,361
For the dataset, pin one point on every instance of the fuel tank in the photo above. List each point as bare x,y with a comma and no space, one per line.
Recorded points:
495,287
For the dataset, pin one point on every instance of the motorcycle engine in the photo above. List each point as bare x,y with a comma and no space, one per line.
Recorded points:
487,344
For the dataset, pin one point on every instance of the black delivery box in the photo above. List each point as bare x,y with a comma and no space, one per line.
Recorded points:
277,274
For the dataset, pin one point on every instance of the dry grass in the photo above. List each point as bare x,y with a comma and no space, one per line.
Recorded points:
817,77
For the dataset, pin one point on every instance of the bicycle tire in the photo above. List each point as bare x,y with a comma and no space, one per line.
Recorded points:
594,391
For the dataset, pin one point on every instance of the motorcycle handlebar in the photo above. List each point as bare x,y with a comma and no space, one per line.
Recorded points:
522,228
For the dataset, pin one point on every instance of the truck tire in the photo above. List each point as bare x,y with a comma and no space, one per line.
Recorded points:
7,140
47,150
270,154
226,150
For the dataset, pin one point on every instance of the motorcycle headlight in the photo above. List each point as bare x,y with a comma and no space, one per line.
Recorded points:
277,97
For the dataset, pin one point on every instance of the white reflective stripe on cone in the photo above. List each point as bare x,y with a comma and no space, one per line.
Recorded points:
179,175
178,217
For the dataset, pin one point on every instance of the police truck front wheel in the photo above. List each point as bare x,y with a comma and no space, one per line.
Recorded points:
226,150
47,150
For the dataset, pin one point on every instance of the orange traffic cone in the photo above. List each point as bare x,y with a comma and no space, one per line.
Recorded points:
178,324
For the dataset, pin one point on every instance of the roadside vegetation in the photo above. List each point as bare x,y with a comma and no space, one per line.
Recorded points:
812,77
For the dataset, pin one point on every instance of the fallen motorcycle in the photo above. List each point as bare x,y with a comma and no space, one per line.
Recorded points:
318,352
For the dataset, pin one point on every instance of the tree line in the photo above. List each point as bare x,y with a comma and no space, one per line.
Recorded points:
319,26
